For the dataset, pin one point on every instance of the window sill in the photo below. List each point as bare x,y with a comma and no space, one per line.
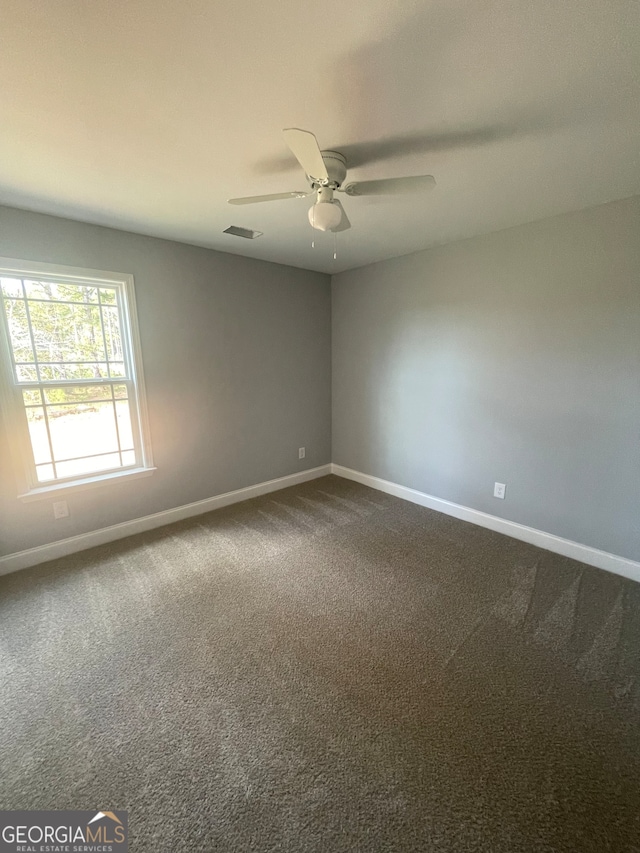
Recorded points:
43,492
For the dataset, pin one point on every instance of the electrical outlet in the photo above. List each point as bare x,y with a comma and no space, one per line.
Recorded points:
301,452
499,490
60,509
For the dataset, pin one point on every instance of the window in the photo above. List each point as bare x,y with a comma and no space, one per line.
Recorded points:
72,375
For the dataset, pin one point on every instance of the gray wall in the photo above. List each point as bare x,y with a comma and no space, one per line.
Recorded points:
512,357
236,356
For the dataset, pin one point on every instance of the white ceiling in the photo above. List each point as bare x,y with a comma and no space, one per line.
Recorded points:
148,114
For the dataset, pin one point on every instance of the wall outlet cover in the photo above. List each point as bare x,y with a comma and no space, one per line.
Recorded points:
60,509
499,490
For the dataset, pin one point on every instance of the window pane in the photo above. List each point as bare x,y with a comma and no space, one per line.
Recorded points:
56,372
82,430
120,392
128,457
60,291
117,369
25,373
112,334
44,473
38,435
124,423
16,313
32,398
67,332
77,394
92,465
108,296
11,287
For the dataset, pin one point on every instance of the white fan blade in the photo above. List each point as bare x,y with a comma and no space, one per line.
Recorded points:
391,186
255,199
306,150
344,222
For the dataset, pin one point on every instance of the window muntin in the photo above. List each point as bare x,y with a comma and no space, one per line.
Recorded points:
73,374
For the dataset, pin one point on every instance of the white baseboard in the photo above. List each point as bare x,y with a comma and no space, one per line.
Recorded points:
585,554
64,547
566,547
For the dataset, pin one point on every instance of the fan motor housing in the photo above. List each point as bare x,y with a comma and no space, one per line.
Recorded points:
336,164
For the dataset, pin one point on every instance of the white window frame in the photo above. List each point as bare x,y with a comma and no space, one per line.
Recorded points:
11,400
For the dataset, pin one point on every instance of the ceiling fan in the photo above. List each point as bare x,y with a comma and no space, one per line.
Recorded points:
326,172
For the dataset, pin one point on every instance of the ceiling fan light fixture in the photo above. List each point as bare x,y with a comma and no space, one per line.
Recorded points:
326,172
325,215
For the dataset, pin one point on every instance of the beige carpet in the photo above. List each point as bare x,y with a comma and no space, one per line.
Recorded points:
326,669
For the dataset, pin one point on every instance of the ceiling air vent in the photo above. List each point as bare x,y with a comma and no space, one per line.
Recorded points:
242,232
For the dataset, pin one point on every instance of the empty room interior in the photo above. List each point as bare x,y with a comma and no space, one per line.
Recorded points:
320,426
